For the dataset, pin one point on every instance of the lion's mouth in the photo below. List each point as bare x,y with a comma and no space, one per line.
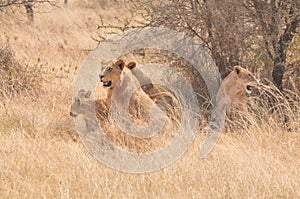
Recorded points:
107,83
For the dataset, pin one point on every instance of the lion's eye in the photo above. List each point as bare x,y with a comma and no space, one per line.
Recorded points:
109,69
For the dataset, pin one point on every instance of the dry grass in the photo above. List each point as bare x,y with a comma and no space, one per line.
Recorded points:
41,155
17,78
240,166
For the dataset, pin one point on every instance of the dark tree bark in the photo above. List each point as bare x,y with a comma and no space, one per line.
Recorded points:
278,22
28,4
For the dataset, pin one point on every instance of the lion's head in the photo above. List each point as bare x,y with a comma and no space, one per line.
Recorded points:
236,85
78,106
111,74
245,77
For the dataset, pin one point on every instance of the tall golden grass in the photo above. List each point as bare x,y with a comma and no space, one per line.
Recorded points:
42,156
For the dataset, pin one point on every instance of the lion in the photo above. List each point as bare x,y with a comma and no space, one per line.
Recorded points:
84,104
153,124
92,110
113,79
111,75
234,89
116,79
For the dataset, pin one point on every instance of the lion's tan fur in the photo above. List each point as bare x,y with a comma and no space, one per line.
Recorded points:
160,95
83,104
234,87
140,103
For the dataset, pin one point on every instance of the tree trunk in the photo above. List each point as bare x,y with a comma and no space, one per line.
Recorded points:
277,74
279,62
281,46
220,63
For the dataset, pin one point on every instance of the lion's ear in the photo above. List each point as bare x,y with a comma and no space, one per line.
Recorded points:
88,94
131,65
81,93
237,69
120,63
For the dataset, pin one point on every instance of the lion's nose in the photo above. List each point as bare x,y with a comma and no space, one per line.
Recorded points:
101,76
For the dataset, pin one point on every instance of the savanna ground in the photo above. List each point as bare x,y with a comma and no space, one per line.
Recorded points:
42,156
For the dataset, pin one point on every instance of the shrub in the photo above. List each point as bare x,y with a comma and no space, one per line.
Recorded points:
17,79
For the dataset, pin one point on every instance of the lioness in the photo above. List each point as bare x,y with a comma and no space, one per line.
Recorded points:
113,78
111,75
235,85
83,104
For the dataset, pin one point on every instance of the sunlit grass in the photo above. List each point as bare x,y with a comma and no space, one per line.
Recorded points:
42,156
